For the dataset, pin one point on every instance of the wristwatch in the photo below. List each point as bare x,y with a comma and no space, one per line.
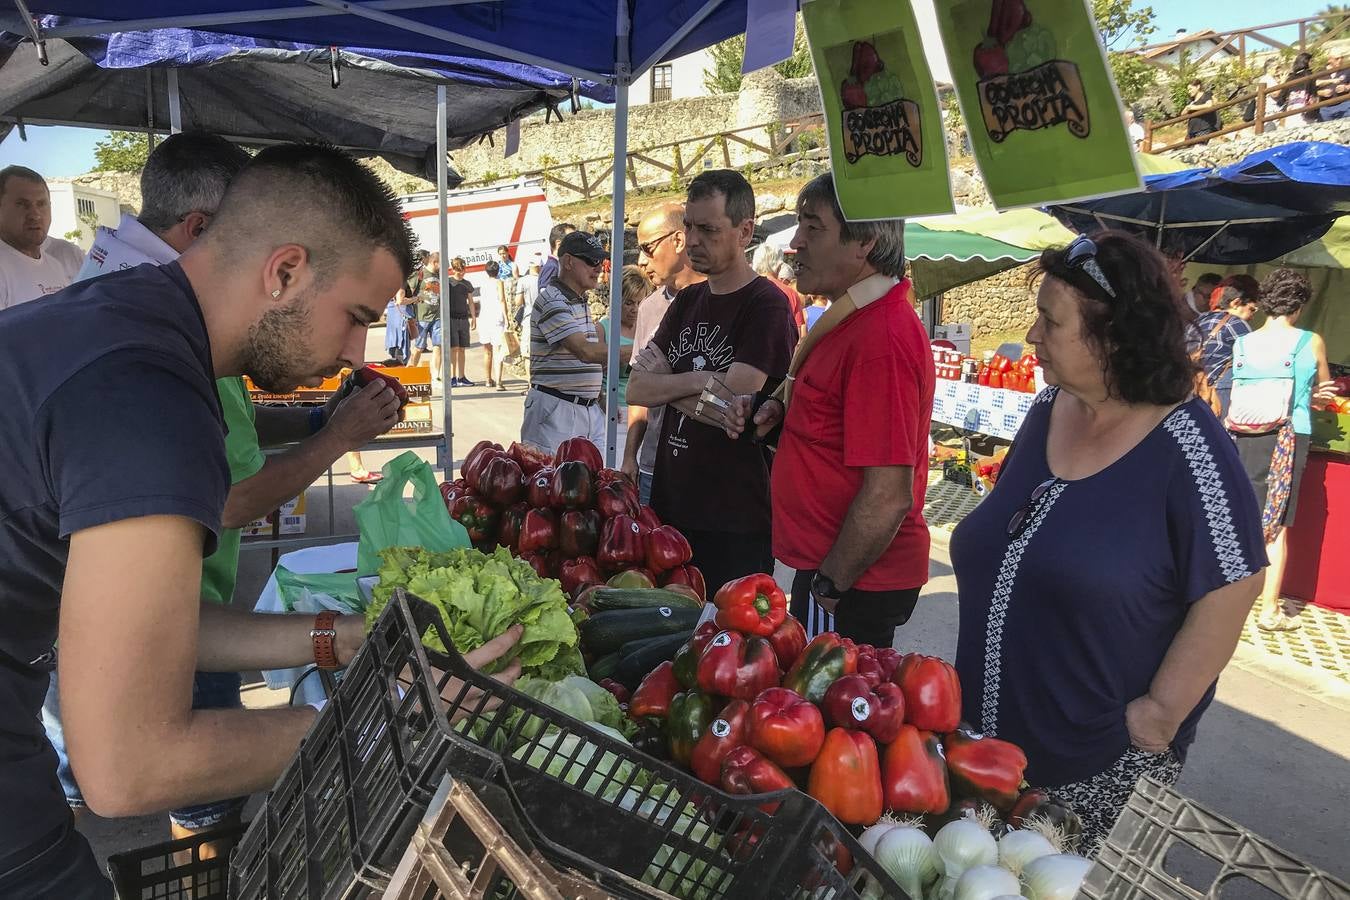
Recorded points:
324,636
823,586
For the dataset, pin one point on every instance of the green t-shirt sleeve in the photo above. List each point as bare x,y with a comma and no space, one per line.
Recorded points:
241,436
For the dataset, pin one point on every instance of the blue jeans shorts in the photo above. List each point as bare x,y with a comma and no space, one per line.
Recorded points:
210,690
428,335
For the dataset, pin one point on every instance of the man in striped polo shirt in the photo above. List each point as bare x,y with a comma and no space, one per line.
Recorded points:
566,356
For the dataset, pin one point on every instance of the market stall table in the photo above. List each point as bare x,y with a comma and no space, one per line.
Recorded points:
996,412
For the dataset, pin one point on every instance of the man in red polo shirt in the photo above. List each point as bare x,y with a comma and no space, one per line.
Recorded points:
852,463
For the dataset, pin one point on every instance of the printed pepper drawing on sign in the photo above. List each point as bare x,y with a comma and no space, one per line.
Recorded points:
876,118
1023,85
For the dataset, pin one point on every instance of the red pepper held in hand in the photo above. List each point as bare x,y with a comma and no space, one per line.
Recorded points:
986,768
786,728
666,549
621,544
914,774
726,733
789,640
690,576
846,777
753,605
579,449
579,533
851,702
653,695
733,665
539,531
932,692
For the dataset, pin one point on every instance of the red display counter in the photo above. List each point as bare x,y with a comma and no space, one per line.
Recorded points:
1318,569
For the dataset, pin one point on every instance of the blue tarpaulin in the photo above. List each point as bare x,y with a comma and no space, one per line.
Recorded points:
1254,210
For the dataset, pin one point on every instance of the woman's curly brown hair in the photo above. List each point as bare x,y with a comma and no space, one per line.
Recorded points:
1141,333
1284,292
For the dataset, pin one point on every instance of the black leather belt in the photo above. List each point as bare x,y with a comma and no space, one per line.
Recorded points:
570,398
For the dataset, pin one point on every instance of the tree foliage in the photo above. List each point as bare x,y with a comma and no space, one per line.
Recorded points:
724,77
1338,13
121,151
1121,24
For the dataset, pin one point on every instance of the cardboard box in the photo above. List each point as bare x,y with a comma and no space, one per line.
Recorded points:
956,332
292,515
416,420
415,379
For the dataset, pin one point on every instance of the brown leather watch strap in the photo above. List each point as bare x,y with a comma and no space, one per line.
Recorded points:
324,636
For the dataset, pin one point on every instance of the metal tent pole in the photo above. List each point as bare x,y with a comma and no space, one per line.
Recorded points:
623,31
447,461
175,107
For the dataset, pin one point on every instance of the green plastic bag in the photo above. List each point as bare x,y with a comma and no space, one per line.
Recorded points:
387,520
306,593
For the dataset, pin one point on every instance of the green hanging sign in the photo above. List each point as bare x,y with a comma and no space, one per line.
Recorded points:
887,147
1038,100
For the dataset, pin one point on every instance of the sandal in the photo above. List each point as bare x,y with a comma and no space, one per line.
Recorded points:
491,383
369,478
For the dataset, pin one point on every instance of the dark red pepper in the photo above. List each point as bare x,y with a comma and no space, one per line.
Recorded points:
1038,803
578,573
508,532
852,702
539,531
986,768
733,665
789,640
473,454
620,692
687,575
653,695
932,692
530,458
579,449
786,728
889,659
869,667
573,486
536,561
727,732
754,605
478,517
500,481
648,517
366,374
666,549
621,544
746,771
613,500
914,773
579,533
539,489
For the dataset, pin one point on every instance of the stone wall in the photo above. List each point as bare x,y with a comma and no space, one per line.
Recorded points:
999,303
1223,152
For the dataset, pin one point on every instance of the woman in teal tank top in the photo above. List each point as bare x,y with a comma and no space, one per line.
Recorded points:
1275,461
635,287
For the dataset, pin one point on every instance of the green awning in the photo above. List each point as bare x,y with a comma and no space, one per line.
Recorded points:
942,260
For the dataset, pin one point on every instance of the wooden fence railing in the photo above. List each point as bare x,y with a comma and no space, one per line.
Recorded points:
1261,120
679,160
1313,31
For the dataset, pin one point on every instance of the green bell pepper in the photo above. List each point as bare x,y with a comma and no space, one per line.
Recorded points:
691,712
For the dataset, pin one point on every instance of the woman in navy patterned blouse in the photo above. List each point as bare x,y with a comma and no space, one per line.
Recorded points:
1105,580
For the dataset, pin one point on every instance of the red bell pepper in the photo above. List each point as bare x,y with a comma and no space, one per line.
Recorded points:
478,517
537,561
746,771
653,695
914,774
539,489
726,733
612,500
366,374
932,692
579,533
450,490
846,777
621,544
530,458
666,549
869,667
473,454
687,657
573,486
753,605
786,728
1038,803
648,517
826,659
508,532
890,661
578,573
733,665
789,640
620,692
687,575
852,702
500,480
987,768
579,449
539,531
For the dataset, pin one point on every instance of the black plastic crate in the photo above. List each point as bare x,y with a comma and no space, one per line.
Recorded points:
1168,847
176,870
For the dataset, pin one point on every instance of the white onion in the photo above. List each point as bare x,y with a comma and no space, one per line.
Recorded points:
908,856
1056,877
985,883
962,844
1019,847
868,839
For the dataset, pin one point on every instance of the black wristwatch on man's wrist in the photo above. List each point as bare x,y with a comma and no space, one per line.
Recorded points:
823,586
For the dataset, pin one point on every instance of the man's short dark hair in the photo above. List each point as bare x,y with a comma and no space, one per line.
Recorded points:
492,269
557,233
888,253
1196,82
319,197
730,185
1209,280
186,173
23,172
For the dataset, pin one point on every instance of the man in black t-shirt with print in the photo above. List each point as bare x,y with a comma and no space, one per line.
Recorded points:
302,254
721,338
459,319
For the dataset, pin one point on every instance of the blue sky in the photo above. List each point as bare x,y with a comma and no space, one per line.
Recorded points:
60,152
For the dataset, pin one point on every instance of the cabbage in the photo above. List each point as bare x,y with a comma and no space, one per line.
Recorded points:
568,757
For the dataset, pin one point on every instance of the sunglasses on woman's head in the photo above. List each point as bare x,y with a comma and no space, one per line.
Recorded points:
1082,254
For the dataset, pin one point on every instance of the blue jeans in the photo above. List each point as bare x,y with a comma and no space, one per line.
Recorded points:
645,487
429,335
210,690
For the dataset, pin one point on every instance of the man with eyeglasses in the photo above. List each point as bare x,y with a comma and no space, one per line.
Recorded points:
567,357
664,259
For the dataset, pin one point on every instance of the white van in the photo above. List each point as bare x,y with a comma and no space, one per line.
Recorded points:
481,220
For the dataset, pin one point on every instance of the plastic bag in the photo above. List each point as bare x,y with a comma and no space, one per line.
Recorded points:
385,519
317,592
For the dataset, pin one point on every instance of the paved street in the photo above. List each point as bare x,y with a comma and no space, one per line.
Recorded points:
1273,752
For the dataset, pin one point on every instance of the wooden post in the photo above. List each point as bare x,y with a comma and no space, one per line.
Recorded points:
585,182
1148,137
1260,120
679,164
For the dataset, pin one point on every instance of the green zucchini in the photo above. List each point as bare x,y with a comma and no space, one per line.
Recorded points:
641,598
607,631
603,667
651,653
633,646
